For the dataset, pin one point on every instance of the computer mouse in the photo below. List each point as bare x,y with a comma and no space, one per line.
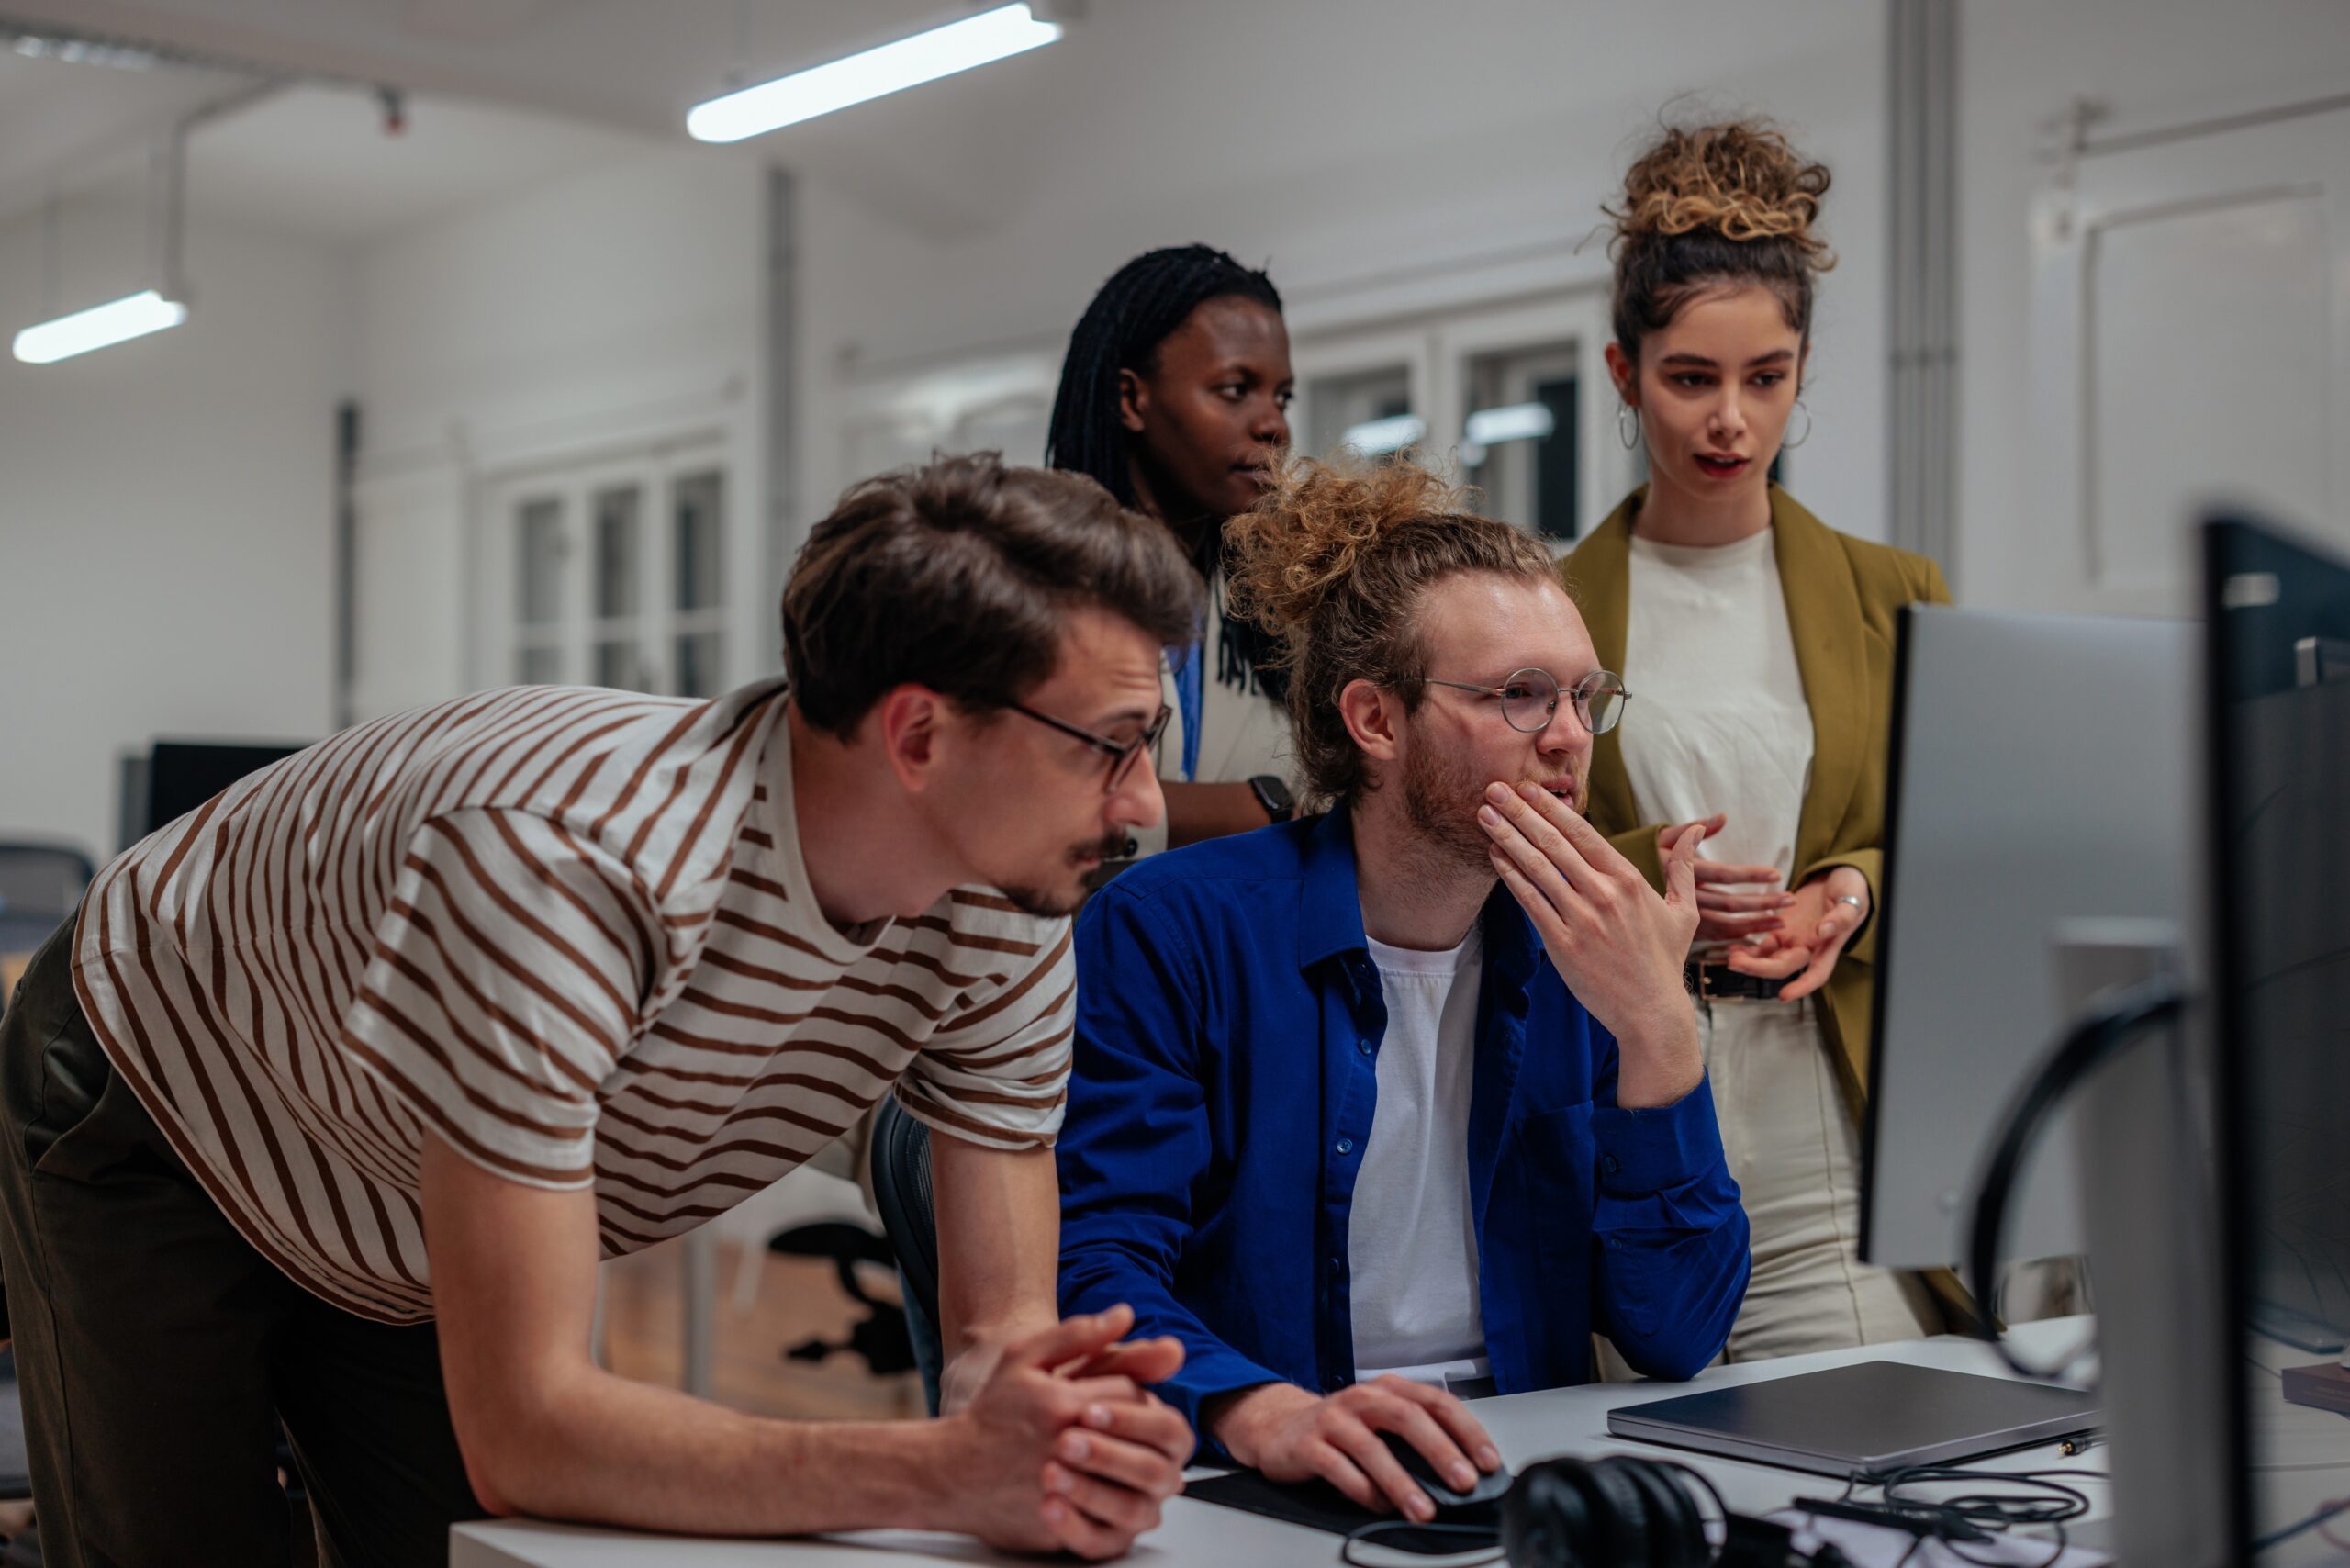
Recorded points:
1482,1498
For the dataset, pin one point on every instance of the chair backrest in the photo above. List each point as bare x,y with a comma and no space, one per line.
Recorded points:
45,879
41,887
901,1191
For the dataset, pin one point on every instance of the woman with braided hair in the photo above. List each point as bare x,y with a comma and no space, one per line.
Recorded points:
1175,396
1758,643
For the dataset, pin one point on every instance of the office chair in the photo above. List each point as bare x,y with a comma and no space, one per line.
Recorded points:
901,1191
41,885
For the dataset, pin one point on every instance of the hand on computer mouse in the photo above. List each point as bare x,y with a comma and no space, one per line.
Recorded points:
1290,1434
1487,1491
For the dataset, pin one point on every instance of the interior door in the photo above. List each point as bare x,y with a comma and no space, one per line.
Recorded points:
2191,343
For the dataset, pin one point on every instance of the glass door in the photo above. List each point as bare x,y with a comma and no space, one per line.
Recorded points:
1512,399
611,574
1525,399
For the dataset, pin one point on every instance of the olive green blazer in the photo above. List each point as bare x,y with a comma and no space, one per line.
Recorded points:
1842,594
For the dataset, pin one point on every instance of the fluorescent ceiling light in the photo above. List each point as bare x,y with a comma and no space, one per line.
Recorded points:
99,327
1518,421
909,63
1390,434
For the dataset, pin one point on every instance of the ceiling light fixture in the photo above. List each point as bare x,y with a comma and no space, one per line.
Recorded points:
101,326
150,309
991,35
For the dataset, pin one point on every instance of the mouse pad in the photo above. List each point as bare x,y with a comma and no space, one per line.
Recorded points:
1317,1505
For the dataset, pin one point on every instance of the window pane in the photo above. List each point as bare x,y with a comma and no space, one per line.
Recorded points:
539,667
616,551
1369,409
540,577
1522,442
697,656
699,501
618,664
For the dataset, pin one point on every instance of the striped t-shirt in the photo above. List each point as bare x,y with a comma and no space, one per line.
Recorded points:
567,930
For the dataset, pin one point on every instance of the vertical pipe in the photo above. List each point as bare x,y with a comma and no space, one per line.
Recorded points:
346,566
1921,317
780,370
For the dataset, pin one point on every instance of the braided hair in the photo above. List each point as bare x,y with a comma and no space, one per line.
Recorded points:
1140,308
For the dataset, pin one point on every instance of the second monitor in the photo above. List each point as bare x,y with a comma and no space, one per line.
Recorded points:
2041,773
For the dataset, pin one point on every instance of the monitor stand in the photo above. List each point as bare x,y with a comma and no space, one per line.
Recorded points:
2151,1216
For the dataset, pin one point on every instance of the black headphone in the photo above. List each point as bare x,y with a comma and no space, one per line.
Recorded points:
1622,1512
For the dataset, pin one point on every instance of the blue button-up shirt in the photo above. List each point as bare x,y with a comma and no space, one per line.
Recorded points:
1225,1083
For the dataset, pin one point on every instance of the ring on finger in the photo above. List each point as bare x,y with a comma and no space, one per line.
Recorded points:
1852,899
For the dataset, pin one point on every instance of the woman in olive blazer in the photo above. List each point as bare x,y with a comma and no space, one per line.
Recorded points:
1842,594
1757,644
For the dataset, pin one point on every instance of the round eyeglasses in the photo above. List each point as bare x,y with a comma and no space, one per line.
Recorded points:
1530,697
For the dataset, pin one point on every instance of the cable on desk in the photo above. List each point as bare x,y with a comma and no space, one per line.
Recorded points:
2045,1500
2316,1521
2098,1036
1474,1536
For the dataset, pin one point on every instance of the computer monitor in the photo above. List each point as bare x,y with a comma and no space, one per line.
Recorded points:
176,777
2041,775
2279,628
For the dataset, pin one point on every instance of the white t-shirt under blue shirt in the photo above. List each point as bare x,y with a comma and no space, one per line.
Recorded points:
1411,1238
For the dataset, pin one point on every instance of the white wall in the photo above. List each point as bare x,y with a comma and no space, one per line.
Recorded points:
164,543
166,513
592,314
2155,63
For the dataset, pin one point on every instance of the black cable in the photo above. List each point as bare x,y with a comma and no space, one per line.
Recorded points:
1478,1535
2277,1538
2092,1041
1974,1518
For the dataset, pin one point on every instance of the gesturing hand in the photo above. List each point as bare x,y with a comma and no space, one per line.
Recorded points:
1618,945
1812,932
1725,913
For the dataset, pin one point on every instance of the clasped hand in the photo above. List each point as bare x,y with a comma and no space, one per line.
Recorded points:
1058,1446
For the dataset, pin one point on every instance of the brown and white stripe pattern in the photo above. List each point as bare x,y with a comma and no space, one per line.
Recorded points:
566,930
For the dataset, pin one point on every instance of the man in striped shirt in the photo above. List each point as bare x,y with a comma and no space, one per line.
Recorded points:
327,1107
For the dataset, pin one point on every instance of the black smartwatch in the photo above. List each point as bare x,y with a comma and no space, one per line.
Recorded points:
1274,796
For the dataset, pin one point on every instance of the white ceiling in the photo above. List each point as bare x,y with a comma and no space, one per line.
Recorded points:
1151,94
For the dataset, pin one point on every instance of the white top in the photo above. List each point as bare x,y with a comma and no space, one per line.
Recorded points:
1411,1243
1718,721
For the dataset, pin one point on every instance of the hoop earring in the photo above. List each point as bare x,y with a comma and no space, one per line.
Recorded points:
1787,445
1627,429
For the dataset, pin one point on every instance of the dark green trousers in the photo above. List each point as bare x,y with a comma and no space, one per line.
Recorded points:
158,1354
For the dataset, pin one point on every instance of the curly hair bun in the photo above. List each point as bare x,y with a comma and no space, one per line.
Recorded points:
1743,180
1305,539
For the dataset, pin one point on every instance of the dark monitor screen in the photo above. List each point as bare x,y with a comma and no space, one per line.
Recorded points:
2279,673
183,774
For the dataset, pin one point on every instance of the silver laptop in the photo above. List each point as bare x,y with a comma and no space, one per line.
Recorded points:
1866,1418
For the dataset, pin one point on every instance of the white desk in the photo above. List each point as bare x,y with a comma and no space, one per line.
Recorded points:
1527,1426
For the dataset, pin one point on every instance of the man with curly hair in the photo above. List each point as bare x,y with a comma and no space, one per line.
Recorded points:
1401,1102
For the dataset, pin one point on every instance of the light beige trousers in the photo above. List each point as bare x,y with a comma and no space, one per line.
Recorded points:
1792,1147
1794,1151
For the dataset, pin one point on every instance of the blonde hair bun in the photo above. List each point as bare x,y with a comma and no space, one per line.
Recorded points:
1742,179
1305,538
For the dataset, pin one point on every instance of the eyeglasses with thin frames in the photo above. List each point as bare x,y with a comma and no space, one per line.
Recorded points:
1122,753
1530,697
